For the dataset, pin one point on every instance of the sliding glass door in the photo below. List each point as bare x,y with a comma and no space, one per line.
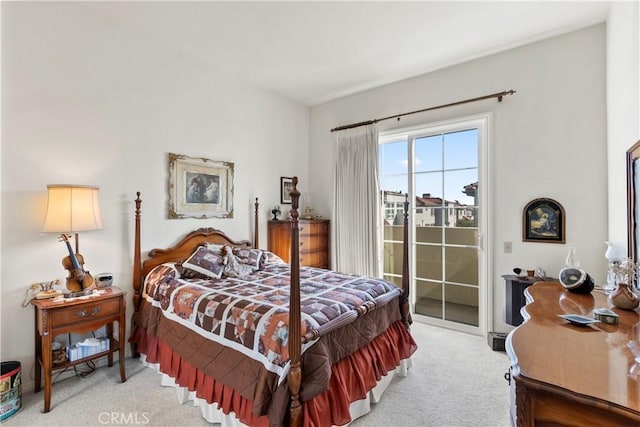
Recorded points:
439,167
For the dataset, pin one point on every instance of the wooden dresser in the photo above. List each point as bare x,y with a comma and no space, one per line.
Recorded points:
568,375
314,241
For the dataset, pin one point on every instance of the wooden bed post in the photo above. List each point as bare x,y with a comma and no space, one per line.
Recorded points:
137,274
256,244
295,373
404,301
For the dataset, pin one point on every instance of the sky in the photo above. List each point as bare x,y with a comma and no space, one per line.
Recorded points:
444,164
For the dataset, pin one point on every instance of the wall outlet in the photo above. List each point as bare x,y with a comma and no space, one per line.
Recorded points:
507,247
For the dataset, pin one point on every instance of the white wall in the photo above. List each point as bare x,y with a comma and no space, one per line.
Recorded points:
548,140
87,102
623,106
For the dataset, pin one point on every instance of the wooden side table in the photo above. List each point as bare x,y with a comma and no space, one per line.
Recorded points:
79,315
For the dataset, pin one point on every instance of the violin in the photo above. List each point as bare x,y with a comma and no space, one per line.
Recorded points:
78,279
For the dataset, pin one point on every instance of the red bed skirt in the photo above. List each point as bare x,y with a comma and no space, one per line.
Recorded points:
351,377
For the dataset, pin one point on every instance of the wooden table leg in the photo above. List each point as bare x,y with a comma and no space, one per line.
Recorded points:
110,335
46,367
122,337
37,368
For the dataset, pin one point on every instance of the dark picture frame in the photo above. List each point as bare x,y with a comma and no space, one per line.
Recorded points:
543,221
286,185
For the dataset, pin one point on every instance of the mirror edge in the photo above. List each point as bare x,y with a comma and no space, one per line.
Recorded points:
633,154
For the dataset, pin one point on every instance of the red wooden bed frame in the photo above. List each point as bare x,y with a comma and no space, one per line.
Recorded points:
190,242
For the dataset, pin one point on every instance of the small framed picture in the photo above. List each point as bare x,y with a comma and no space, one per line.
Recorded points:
543,221
286,185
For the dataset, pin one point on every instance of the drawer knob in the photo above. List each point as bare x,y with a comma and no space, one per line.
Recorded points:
94,311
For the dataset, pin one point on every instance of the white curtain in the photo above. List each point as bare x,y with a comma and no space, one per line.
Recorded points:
356,209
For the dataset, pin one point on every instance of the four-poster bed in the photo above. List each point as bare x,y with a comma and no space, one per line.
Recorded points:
282,344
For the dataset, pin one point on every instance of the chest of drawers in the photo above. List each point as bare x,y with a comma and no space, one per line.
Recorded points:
314,241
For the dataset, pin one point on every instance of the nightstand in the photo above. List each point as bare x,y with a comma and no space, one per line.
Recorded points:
78,315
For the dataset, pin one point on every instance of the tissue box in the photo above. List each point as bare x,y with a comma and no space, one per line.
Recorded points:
87,348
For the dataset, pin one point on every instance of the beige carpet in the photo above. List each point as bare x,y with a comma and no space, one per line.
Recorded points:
456,380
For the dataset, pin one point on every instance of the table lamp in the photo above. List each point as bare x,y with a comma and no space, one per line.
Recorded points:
70,209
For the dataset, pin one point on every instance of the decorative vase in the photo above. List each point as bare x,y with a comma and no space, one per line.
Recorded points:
572,258
624,297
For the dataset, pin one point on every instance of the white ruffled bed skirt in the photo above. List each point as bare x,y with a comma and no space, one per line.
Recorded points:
212,414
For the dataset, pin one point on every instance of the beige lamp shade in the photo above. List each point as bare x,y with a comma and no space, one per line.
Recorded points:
72,208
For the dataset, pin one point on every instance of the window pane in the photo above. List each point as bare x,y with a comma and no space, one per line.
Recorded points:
461,235
461,304
428,153
428,299
393,214
393,158
429,262
430,217
461,186
428,186
461,149
461,265
394,183
430,234
392,258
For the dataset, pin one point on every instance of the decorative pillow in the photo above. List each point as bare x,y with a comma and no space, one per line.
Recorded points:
253,257
271,258
205,262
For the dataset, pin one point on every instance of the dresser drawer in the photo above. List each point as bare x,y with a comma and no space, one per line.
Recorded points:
313,228
92,311
319,259
312,243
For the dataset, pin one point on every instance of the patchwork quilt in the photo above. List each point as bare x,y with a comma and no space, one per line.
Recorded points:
250,314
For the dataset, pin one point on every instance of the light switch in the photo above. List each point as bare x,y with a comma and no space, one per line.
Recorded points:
507,247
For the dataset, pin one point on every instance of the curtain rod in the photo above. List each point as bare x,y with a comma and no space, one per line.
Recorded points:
498,95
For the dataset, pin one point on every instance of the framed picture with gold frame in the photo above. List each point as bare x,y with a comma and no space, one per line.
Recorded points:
543,221
200,188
